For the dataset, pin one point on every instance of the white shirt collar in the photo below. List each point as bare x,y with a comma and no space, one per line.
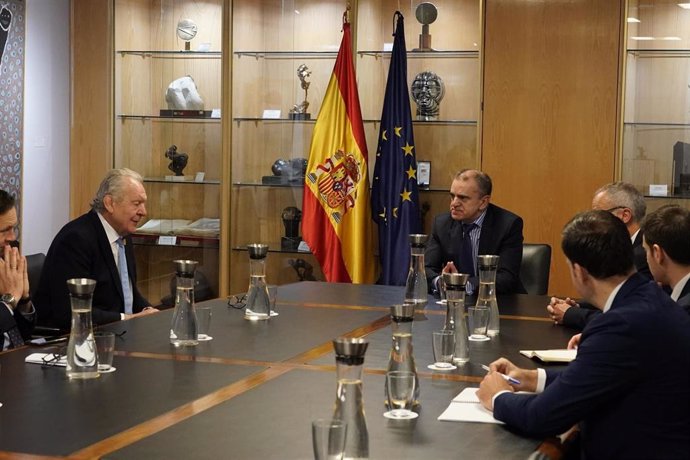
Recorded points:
609,301
109,230
678,288
634,236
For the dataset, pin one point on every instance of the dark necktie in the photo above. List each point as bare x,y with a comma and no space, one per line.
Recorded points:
15,337
466,254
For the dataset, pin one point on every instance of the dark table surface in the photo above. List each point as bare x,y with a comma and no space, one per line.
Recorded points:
252,391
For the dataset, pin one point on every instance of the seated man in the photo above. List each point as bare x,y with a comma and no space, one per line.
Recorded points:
17,314
667,244
475,226
624,201
629,386
97,245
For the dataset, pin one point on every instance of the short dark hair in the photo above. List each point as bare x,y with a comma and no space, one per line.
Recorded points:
669,227
483,180
7,202
599,242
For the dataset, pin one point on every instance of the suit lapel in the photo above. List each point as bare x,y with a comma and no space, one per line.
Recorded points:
455,238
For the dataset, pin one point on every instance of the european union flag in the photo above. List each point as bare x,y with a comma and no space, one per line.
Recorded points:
394,195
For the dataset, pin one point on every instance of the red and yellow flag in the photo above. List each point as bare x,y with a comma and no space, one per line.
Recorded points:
336,215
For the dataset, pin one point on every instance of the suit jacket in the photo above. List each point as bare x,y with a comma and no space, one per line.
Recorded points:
684,298
501,235
577,318
629,387
81,250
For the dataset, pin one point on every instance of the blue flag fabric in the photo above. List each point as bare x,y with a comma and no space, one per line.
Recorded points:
394,195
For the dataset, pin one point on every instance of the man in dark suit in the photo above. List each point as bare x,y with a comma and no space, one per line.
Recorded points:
97,245
667,244
624,201
17,313
629,386
474,226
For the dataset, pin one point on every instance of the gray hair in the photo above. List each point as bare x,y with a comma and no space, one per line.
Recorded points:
483,180
625,195
113,184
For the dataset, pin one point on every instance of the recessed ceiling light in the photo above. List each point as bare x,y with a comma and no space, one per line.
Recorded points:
671,38
685,6
631,19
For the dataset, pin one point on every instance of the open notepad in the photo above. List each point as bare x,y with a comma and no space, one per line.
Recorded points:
47,358
551,356
466,407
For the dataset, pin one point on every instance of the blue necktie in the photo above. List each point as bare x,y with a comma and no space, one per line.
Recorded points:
466,254
124,275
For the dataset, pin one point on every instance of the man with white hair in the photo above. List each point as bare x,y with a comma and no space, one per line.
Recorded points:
97,245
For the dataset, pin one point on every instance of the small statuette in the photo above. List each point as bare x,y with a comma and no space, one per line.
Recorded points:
186,30
426,13
178,160
299,111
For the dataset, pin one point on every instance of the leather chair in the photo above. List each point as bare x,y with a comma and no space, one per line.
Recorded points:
535,267
34,265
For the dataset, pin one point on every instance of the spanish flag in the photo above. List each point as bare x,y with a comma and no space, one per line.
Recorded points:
336,214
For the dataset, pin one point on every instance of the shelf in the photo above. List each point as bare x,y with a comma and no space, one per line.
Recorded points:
660,125
172,54
287,54
369,120
473,54
274,248
669,197
259,184
163,180
182,241
659,53
124,117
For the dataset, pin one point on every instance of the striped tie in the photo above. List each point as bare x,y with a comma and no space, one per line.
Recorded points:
124,275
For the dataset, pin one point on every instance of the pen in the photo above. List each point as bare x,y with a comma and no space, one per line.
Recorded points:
505,377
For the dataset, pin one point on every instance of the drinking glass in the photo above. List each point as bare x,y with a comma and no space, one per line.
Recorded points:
401,385
272,296
328,439
444,349
203,318
478,318
105,348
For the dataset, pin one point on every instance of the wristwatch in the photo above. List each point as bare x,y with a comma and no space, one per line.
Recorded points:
10,300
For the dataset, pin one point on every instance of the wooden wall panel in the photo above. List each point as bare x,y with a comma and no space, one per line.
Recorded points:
549,135
91,138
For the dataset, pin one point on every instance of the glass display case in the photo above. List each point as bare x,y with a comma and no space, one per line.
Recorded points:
167,127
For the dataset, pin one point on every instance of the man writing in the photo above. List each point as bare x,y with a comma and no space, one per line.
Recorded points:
97,245
17,314
475,226
629,386
624,201
667,245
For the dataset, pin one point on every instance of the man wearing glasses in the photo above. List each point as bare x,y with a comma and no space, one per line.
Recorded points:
17,313
625,202
474,226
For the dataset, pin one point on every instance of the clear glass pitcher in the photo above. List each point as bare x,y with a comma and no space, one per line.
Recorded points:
416,286
183,328
401,355
486,297
349,405
455,314
82,359
258,301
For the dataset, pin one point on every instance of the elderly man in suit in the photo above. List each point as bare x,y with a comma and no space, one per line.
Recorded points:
474,226
629,386
17,313
667,245
97,245
624,201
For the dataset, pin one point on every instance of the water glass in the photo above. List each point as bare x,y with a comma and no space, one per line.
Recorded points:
105,348
203,323
400,385
328,439
478,318
444,348
272,296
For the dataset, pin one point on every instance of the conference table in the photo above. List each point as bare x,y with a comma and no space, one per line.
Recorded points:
252,391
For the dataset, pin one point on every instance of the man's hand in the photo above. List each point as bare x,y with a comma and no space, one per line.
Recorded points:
527,378
13,273
145,312
557,308
449,268
574,341
492,384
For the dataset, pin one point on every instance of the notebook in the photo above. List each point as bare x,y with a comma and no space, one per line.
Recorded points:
466,407
551,356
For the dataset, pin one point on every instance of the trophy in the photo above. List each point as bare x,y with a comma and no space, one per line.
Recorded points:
286,172
292,217
299,111
178,160
426,13
427,92
186,30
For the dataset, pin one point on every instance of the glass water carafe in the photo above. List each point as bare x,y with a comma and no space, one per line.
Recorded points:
455,314
258,303
82,359
401,354
486,297
349,405
183,328
416,285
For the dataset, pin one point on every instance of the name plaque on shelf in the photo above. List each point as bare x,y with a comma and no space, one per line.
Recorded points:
167,240
658,189
185,113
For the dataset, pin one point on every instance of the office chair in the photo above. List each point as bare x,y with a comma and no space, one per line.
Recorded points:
34,265
535,267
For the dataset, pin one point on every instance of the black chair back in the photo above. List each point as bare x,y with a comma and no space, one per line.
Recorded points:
34,264
535,267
